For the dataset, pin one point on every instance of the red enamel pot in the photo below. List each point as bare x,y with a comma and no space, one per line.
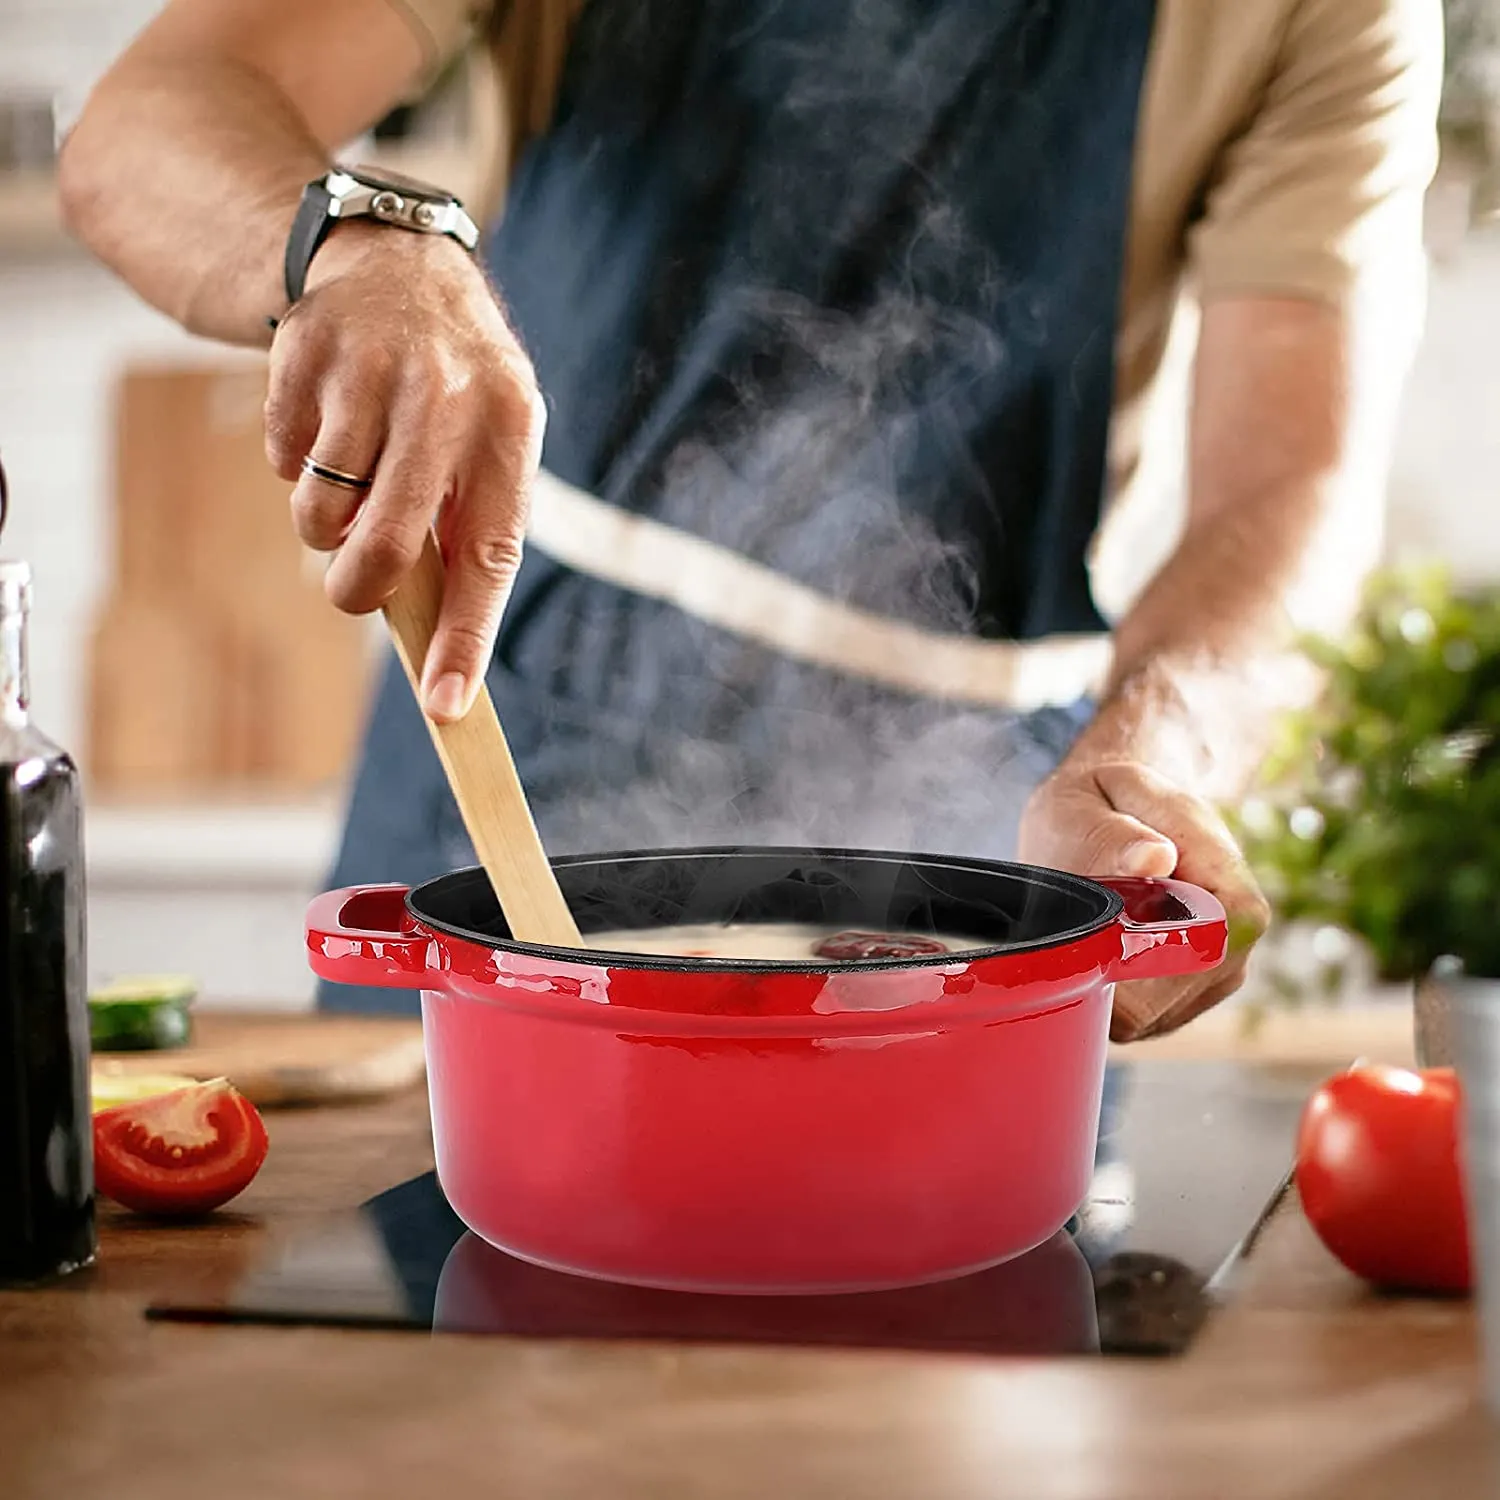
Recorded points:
734,1125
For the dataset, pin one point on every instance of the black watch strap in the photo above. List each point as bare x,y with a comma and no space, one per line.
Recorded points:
309,229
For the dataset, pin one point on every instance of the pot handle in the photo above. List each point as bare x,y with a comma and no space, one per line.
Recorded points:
1168,928
364,934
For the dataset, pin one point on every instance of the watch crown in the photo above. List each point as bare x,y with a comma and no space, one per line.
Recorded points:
386,204
424,216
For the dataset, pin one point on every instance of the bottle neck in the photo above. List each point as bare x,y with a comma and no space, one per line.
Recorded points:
15,676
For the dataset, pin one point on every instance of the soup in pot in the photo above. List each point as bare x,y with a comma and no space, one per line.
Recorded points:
787,942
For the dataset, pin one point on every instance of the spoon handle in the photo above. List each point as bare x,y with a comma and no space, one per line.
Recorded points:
482,775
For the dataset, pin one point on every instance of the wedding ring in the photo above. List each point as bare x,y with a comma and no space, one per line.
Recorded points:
314,470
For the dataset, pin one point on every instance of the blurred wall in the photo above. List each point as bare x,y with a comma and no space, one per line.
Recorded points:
1445,487
65,330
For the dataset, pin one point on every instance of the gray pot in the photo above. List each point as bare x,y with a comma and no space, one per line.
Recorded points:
1476,1031
1432,1015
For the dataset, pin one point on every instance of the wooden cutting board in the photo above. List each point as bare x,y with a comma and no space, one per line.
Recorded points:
1331,1038
204,677
291,1060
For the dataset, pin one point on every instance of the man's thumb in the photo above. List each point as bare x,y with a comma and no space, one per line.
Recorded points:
1125,846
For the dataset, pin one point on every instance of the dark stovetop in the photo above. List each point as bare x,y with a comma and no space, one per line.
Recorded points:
1201,1153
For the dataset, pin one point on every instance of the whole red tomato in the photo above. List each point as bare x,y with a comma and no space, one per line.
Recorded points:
1379,1176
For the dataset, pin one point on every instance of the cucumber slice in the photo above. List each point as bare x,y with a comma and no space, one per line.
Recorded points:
142,1014
110,1088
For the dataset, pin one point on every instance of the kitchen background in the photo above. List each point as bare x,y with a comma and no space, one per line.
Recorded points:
131,453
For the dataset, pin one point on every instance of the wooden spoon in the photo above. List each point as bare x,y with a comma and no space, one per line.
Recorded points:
483,775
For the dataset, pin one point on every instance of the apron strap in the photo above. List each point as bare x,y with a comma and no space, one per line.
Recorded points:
725,589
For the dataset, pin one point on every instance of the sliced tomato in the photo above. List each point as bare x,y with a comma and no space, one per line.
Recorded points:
1379,1178
185,1152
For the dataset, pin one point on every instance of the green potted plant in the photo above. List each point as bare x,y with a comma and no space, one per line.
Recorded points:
1378,811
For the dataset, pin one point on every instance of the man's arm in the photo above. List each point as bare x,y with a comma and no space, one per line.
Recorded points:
1289,436
184,172
1309,266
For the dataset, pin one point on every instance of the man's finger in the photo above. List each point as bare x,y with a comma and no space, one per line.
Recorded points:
1148,1008
1219,985
348,440
391,526
1118,844
292,414
1208,853
1199,833
1081,835
1139,1003
1203,852
482,532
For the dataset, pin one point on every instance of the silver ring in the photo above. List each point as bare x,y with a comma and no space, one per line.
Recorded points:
314,470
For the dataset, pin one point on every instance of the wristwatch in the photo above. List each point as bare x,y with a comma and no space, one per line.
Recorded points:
359,193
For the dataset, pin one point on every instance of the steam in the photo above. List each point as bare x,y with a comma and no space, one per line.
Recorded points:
814,479
808,478
842,456
928,780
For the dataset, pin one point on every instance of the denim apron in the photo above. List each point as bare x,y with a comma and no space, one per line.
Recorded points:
833,285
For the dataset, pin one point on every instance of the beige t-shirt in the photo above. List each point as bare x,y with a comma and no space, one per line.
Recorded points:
1284,148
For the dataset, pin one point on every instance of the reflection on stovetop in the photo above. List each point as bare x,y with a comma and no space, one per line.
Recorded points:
1198,1157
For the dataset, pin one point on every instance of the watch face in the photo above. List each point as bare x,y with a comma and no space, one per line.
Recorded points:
397,183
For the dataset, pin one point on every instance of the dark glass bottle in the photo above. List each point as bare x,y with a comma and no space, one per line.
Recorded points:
46,1131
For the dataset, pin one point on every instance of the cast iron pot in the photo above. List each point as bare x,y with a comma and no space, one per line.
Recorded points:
735,1125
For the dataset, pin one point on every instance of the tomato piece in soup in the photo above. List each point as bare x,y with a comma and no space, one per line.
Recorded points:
856,945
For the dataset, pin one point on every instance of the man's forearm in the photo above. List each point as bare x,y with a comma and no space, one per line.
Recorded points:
1207,658
184,171
1293,409
185,180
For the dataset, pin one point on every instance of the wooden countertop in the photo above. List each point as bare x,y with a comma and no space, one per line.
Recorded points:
1307,1388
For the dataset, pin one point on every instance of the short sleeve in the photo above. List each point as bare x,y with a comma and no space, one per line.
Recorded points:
442,27
1322,192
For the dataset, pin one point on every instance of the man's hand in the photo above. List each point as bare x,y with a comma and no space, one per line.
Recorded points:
398,366
183,173
1283,508
1122,818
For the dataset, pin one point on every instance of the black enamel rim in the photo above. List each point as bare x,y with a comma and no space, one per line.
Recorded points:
1111,901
